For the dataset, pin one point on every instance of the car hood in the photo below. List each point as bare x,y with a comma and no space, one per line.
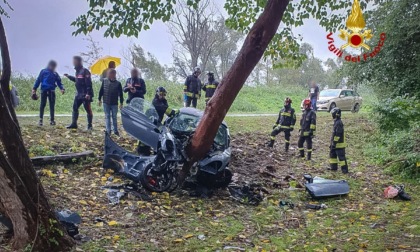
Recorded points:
326,98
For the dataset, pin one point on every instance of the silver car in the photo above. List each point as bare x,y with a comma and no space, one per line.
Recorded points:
345,99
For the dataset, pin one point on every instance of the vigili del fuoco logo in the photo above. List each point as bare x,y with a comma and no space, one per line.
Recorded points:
355,36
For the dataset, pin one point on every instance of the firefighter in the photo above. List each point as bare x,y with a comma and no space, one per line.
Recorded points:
210,86
307,129
192,88
161,105
338,143
84,92
285,122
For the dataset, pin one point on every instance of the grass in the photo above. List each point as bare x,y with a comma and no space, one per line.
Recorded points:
259,99
362,221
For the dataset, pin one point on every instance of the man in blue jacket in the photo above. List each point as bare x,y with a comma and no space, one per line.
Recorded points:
84,92
48,79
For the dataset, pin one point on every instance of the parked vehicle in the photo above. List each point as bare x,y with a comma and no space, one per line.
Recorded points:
345,99
159,172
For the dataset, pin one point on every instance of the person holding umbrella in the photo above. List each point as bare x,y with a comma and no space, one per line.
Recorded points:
104,75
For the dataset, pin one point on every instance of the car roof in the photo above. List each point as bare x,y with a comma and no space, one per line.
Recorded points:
195,112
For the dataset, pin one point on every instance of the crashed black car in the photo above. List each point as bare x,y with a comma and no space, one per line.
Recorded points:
159,172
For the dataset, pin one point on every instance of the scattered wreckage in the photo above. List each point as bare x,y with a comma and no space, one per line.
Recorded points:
159,172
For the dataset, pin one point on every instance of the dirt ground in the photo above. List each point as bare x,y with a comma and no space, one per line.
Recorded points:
362,221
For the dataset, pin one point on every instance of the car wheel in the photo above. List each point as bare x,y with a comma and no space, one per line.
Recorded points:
332,106
356,108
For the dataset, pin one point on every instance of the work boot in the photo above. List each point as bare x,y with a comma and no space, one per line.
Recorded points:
90,127
74,117
345,169
333,167
301,153
309,156
40,123
73,125
52,123
286,147
270,144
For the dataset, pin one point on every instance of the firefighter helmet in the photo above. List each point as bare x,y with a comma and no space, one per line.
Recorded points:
307,103
161,90
287,101
336,112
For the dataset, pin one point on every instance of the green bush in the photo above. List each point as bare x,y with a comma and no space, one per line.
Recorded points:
397,144
400,112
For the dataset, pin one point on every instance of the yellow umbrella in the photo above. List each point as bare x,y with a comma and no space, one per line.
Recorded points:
101,64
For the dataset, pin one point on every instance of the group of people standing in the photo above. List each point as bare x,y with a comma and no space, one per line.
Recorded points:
111,92
287,120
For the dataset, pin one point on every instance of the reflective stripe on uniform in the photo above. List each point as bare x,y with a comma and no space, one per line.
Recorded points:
185,87
309,150
306,133
284,127
342,163
300,148
273,137
336,138
287,141
286,114
340,145
189,94
168,111
313,126
210,86
333,161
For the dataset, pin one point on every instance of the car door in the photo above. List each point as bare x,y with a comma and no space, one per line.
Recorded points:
139,119
341,100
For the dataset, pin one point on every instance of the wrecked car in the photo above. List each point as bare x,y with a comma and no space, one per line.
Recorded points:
159,172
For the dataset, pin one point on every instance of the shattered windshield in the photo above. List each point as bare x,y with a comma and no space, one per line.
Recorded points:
186,123
146,108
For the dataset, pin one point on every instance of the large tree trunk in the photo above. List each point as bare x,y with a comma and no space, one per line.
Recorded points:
252,50
22,196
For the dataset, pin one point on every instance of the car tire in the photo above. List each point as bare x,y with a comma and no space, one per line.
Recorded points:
333,105
356,108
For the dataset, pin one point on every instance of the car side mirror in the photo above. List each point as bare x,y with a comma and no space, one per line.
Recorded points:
342,96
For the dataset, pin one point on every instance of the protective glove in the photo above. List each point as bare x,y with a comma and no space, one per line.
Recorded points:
291,129
275,125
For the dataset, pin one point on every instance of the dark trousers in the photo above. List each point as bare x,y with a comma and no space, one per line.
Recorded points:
277,131
302,140
338,158
50,95
87,105
191,101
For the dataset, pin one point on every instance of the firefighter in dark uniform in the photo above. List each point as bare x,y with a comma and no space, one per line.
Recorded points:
84,92
210,86
161,105
307,129
192,88
285,122
338,143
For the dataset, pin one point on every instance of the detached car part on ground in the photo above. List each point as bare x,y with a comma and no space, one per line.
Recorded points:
159,172
345,99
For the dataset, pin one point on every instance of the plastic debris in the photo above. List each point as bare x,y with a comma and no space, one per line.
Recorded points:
70,221
319,187
114,196
390,192
283,203
315,206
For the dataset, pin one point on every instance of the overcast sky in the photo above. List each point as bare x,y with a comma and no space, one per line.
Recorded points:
40,30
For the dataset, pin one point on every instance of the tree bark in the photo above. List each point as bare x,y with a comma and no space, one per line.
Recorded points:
252,50
22,196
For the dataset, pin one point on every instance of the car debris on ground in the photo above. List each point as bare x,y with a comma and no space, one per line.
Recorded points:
392,192
318,187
